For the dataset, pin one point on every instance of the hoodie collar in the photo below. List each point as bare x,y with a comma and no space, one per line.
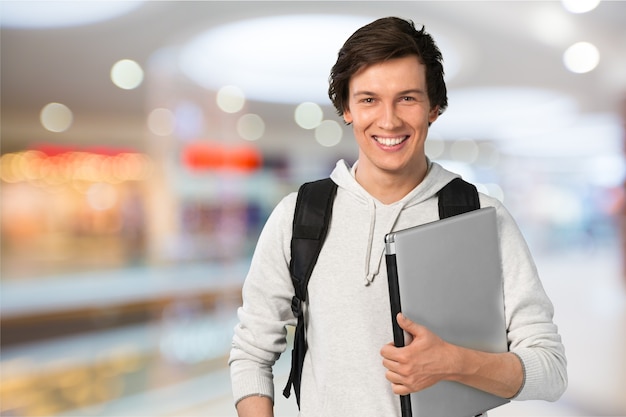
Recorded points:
436,177
344,176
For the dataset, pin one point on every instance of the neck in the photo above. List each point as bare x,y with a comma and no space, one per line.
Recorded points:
389,187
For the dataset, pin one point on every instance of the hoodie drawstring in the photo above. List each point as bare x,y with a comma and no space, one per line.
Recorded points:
372,265
369,276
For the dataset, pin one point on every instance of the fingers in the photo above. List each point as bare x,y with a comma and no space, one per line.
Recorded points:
400,389
410,328
410,368
397,380
389,355
404,380
391,365
407,325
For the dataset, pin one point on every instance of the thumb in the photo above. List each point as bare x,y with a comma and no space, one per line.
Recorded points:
407,325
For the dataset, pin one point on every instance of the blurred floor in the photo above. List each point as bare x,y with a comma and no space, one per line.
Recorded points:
586,287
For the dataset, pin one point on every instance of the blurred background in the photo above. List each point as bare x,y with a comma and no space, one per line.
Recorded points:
144,144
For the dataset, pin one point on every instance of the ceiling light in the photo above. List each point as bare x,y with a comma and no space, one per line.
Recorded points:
581,57
56,117
127,74
580,6
283,59
280,59
50,14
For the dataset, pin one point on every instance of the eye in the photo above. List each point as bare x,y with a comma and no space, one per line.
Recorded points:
408,98
368,100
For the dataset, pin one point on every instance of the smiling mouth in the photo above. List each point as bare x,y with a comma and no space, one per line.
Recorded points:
390,141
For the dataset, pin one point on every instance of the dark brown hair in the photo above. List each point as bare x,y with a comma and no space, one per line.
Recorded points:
382,40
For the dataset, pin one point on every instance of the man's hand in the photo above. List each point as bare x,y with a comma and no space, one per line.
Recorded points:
427,359
423,362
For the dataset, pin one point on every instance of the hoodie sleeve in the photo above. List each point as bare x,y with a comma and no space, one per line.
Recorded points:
532,334
260,336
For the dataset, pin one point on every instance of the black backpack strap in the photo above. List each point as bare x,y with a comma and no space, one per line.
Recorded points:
310,225
457,197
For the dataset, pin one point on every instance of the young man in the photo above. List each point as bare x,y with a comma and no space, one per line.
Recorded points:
388,84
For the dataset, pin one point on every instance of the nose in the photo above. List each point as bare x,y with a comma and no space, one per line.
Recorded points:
389,119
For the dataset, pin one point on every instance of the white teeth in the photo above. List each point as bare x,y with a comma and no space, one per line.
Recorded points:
389,141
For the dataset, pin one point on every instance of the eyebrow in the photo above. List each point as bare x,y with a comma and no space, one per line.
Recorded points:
401,93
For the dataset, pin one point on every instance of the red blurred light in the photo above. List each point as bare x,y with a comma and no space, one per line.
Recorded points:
210,156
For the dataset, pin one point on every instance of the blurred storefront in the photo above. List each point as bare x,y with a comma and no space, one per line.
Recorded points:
122,269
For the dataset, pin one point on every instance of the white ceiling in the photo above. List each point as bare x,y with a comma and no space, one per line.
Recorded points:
498,43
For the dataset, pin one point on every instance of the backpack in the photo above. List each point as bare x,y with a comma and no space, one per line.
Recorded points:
310,224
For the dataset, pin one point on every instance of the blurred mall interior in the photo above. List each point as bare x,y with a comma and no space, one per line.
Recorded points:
144,143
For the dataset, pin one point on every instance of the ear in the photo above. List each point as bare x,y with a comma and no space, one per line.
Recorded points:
347,116
433,114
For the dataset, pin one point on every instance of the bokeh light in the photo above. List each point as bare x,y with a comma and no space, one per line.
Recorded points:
308,115
250,126
329,133
434,148
56,117
580,6
464,151
230,99
127,74
581,57
68,167
161,122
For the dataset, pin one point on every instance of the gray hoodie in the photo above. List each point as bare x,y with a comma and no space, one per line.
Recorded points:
347,313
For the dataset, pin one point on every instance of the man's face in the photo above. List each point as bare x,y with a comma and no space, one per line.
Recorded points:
390,113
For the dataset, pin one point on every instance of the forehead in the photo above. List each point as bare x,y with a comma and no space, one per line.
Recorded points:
401,72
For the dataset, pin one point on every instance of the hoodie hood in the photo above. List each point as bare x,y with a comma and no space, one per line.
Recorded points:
343,176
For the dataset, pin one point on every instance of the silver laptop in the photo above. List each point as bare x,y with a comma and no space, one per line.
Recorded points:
447,276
